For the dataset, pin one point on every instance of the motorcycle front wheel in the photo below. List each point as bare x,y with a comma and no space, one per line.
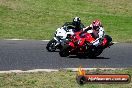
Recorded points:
51,45
94,54
64,52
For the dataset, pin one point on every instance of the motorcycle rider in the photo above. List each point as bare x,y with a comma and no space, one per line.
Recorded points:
76,24
97,31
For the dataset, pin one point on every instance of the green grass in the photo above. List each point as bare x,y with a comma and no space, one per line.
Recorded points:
38,19
61,79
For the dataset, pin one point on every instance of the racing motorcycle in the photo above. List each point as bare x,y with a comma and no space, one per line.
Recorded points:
61,36
81,45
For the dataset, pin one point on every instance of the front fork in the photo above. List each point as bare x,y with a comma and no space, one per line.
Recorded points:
57,41
107,42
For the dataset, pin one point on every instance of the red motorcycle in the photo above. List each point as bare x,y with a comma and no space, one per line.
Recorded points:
81,45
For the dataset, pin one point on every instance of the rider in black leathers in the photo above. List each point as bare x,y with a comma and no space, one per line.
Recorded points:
76,24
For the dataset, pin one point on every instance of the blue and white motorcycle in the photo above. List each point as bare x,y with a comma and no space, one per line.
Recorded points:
61,36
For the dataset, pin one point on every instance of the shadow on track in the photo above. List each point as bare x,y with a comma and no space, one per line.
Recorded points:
84,57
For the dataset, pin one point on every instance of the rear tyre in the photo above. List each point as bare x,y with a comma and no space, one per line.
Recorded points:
65,51
51,45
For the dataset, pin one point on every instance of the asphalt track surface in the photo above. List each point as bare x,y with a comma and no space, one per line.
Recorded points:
32,54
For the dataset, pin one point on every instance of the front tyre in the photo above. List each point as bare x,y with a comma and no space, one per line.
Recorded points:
51,45
64,52
109,41
95,53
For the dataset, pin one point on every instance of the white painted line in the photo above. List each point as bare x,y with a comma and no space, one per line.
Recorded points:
115,42
76,69
15,39
40,40
29,71
44,40
25,39
55,70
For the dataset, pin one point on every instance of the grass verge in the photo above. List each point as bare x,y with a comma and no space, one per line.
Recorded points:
31,19
60,79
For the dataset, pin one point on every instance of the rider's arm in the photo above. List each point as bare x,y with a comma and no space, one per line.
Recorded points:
101,32
100,38
68,23
82,26
87,28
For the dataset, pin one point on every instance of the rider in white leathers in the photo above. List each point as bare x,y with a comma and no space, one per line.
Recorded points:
97,31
